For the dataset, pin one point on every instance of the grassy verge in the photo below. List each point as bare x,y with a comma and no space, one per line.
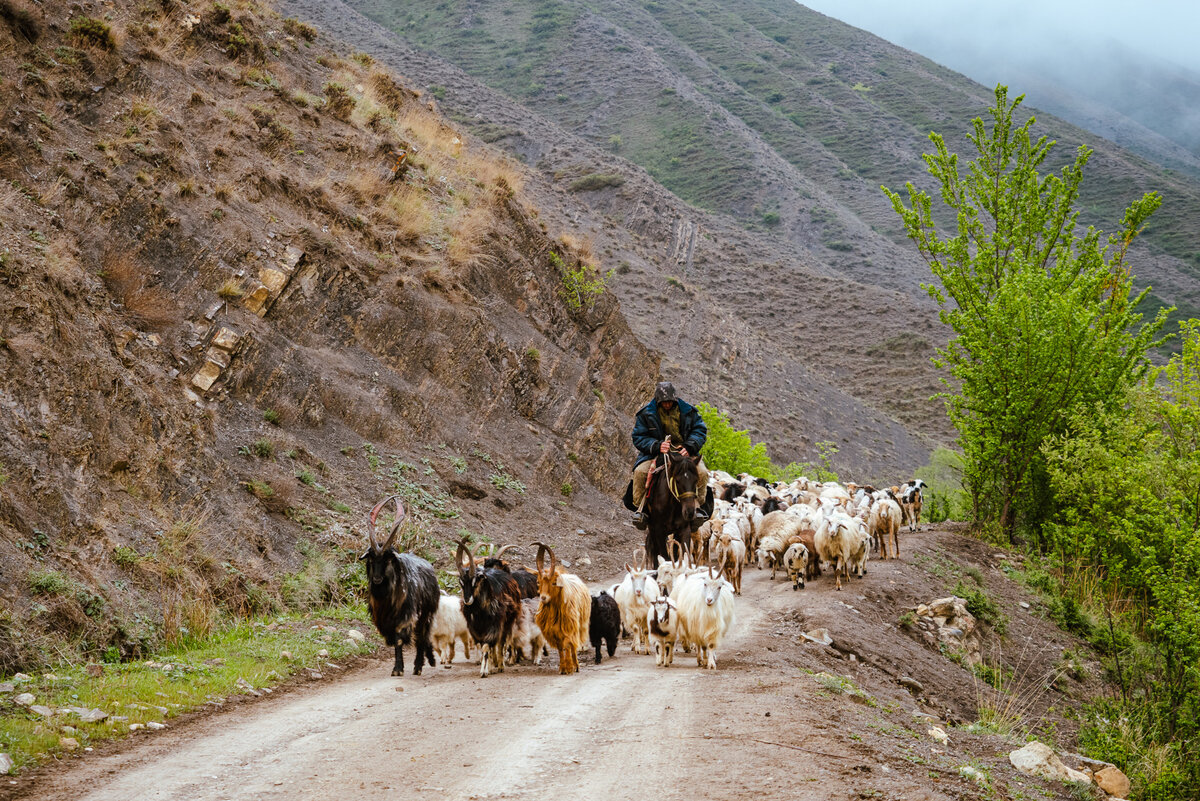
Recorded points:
249,657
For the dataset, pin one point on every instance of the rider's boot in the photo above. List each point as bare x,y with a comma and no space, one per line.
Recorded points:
641,518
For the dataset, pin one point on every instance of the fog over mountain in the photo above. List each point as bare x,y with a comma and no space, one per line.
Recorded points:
1111,67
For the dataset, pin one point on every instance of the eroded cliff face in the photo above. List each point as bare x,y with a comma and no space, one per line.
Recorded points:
233,316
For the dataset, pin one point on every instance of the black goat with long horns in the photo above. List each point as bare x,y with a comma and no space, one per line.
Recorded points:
526,581
491,604
403,593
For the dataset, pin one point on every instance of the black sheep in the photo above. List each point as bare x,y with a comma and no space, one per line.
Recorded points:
605,624
403,593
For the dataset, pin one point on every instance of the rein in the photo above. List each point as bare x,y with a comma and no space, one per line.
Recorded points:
672,486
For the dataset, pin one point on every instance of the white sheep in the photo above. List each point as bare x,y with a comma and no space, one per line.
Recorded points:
795,559
884,525
832,541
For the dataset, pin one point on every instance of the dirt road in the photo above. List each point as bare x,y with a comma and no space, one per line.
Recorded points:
770,722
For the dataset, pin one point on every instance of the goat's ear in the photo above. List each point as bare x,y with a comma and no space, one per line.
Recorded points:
653,573
558,582
365,554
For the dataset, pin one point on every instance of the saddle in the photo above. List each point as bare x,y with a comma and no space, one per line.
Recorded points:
627,501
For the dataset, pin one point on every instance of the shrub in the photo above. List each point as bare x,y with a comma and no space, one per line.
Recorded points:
273,417
92,31
230,289
338,100
982,607
595,181
582,285
263,448
48,582
301,30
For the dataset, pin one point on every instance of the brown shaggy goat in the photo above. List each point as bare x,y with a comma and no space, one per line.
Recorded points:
566,610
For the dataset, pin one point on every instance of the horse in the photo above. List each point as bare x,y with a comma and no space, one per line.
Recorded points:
672,503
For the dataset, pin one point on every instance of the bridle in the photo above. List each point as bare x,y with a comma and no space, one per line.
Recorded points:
672,485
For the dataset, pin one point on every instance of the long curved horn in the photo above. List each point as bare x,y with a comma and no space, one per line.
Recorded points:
400,515
673,548
553,560
500,552
371,522
541,557
458,556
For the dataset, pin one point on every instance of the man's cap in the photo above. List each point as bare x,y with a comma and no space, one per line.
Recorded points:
665,391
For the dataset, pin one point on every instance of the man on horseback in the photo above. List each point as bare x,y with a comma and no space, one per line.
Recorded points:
662,424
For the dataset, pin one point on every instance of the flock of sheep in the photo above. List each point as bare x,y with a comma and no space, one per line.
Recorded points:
513,613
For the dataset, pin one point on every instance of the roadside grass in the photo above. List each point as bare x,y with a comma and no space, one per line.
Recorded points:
239,659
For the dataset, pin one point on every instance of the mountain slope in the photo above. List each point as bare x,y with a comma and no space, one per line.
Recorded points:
794,351
775,115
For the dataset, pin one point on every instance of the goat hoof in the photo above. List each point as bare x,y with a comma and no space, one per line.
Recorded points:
397,672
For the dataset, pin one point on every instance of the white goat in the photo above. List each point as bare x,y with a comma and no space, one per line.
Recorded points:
449,626
662,621
527,638
634,595
706,613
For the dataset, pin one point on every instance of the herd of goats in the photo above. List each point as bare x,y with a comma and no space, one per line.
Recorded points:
513,613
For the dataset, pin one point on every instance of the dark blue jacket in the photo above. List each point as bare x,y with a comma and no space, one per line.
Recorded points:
648,432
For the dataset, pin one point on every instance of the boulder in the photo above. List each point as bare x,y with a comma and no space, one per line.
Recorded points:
25,699
1112,781
6,764
1038,759
355,634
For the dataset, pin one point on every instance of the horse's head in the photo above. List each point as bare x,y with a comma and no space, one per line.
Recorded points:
682,474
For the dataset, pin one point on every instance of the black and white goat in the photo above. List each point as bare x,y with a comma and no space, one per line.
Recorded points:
403,593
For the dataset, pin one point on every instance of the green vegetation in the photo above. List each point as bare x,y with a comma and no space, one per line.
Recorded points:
732,451
1096,471
502,480
92,31
273,417
595,181
982,606
338,100
943,498
582,284
1027,300
238,658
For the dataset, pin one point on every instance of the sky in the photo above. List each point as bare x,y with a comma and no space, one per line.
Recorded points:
979,31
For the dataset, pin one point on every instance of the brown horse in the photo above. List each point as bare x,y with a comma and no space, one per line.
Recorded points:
672,503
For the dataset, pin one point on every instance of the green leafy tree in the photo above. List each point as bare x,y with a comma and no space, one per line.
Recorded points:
734,452
1043,318
731,450
1128,482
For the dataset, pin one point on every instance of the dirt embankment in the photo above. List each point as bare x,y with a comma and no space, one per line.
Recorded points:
230,323
780,716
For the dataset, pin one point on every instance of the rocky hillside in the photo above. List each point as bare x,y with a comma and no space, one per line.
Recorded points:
250,285
793,349
782,119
